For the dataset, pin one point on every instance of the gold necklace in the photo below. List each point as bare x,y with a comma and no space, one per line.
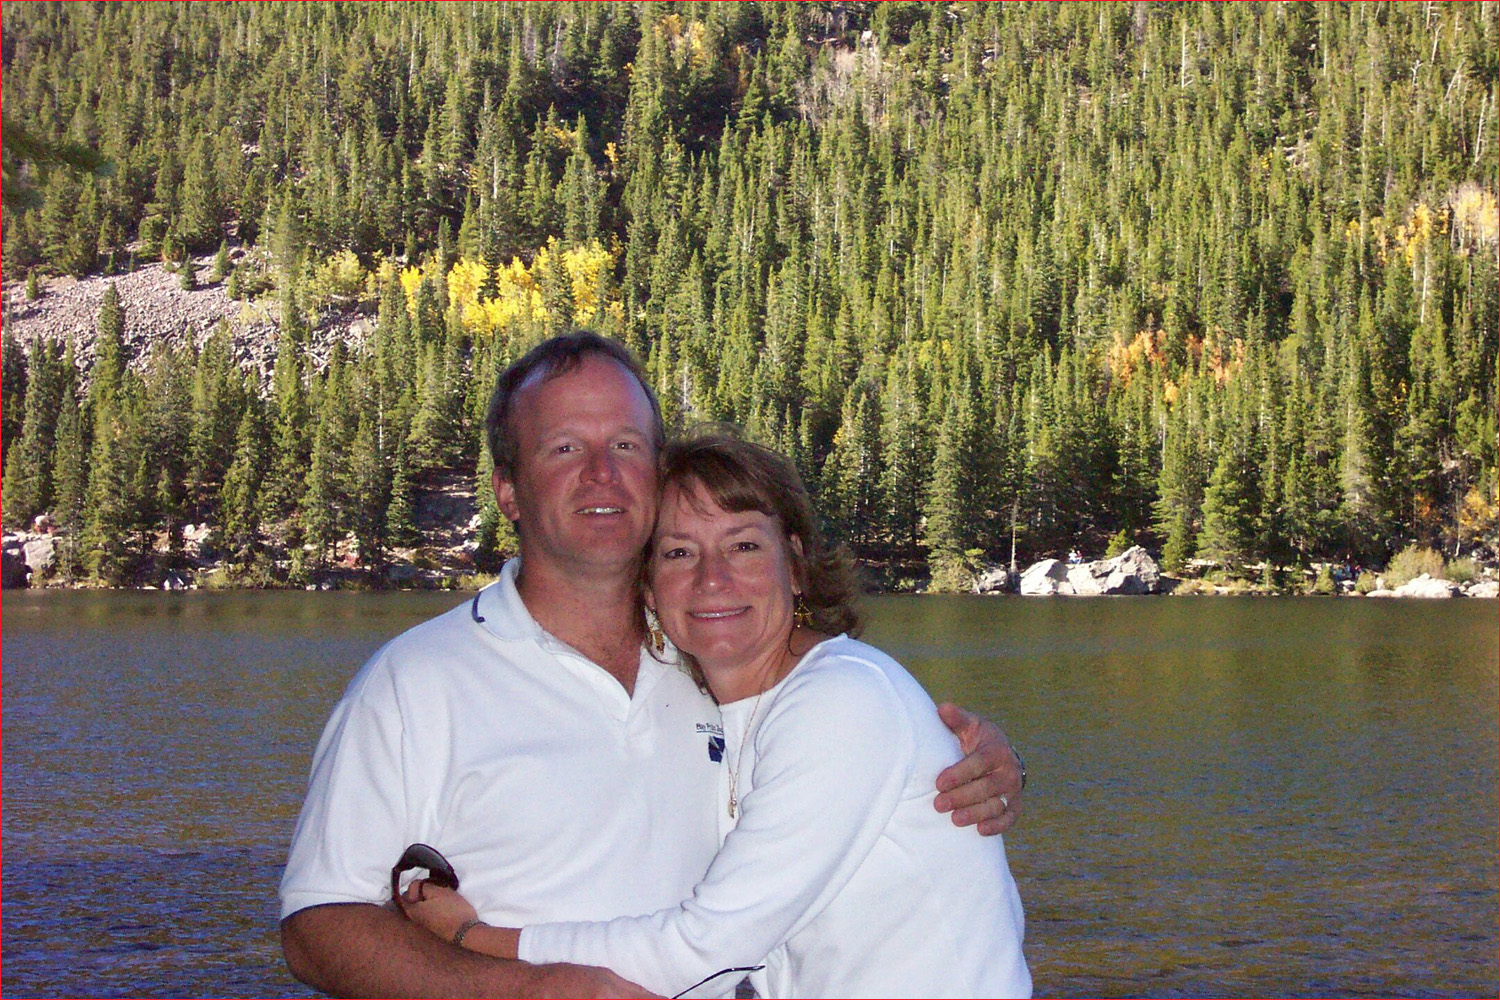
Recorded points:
739,759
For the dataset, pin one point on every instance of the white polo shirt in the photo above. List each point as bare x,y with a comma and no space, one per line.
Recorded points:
554,794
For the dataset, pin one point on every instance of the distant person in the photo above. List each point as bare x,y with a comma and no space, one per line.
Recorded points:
1074,558
834,870
567,773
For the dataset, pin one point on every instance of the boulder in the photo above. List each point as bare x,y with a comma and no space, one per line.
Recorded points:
173,582
13,568
1483,588
1132,572
995,580
1085,579
1426,586
1045,578
40,554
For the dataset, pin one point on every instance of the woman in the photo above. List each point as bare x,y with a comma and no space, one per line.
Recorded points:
834,870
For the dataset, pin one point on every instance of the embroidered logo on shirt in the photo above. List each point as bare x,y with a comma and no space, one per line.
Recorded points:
715,740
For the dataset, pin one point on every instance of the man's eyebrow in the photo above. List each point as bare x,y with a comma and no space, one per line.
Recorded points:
570,431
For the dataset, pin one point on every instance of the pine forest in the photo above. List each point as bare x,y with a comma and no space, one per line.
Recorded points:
1217,279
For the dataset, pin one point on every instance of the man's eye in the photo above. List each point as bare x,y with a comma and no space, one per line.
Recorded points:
627,446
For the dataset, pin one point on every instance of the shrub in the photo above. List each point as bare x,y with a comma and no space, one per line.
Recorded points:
1118,542
1365,582
1410,563
1324,583
33,286
1463,570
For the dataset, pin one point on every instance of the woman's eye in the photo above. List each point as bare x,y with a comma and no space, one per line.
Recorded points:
674,554
746,546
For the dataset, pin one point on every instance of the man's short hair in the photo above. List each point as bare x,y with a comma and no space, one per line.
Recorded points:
553,357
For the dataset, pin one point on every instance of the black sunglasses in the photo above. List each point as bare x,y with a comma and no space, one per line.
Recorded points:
716,975
439,871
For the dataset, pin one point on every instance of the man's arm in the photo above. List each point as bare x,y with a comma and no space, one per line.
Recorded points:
985,787
363,950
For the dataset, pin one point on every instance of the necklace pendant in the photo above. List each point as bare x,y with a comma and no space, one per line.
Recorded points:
731,807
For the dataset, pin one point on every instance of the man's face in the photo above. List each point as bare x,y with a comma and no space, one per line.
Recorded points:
584,489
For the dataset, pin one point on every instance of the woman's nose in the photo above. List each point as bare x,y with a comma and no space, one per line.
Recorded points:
712,572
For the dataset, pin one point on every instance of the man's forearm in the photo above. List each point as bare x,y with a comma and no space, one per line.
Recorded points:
362,950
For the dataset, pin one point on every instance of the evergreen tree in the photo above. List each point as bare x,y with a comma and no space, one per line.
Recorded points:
240,497
13,384
70,481
951,516
109,351
401,512
1229,511
109,527
221,264
27,488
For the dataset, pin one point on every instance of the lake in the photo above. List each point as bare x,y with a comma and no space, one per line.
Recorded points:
1229,796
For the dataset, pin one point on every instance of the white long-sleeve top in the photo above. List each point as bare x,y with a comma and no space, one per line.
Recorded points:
838,873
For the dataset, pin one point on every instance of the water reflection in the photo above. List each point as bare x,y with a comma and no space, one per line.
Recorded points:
1229,796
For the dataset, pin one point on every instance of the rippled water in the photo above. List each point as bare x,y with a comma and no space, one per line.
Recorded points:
1229,796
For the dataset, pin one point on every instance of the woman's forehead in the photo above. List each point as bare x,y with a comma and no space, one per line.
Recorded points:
690,500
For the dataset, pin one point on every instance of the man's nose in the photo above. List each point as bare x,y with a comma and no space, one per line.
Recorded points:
600,467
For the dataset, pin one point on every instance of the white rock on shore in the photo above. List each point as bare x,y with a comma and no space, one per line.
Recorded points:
1428,587
28,556
1131,572
1044,579
995,580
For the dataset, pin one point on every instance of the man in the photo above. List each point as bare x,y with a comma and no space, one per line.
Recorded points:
565,772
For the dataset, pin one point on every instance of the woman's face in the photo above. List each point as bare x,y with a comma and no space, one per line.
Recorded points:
723,586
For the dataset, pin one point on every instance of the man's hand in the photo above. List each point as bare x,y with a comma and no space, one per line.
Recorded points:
985,787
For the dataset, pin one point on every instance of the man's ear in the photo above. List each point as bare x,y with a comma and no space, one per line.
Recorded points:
505,496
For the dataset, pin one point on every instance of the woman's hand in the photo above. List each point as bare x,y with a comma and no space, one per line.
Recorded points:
441,910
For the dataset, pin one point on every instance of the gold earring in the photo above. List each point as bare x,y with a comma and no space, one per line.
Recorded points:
801,613
654,636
